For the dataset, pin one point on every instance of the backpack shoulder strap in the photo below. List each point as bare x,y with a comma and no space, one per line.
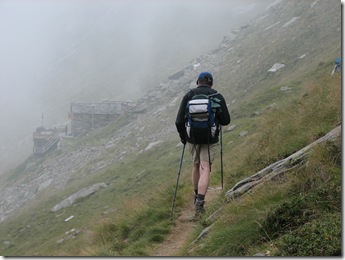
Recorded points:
197,95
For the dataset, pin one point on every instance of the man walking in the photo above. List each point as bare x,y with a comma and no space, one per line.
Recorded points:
201,148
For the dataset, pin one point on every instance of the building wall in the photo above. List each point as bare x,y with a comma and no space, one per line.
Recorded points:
82,124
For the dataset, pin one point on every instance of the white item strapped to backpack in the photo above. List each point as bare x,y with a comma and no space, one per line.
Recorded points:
201,123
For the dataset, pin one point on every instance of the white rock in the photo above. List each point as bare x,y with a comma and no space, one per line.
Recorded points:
151,145
276,67
293,20
69,218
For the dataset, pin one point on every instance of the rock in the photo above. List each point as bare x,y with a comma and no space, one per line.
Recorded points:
286,88
243,133
314,3
230,128
273,5
302,56
276,67
80,194
179,144
271,26
293,20
196,65
69,218
7,243
151,145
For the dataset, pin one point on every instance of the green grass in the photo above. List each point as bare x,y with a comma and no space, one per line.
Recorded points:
132,214
278,215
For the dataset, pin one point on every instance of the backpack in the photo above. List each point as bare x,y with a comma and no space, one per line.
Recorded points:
201,123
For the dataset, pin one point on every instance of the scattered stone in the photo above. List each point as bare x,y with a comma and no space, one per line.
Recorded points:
302,56
286,88
151,145
314,3
243,133
293,20
69,218
276,67
230,128
179,144
271,26
80,194
257,113
271,106
273,5
7,243
196,65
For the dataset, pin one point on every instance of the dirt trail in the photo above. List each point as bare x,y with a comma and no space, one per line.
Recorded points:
183,229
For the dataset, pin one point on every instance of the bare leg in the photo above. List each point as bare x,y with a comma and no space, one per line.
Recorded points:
204,177
196,175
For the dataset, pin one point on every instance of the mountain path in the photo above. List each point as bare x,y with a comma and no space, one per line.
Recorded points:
183,228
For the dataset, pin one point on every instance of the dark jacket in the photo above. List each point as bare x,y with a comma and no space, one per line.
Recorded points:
222,118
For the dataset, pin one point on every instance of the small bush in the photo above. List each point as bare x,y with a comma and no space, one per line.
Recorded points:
320,237
285,217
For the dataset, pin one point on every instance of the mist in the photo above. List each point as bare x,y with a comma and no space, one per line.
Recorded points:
53,53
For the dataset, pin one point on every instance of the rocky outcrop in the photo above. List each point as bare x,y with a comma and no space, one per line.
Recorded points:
80,194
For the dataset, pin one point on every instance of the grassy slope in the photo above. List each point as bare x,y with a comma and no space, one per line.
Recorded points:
132,214
141,220
280,213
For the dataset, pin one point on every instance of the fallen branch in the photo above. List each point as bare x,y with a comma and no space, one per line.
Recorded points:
272,171
279,167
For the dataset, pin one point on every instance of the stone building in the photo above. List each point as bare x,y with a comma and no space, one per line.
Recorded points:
86,117
47,139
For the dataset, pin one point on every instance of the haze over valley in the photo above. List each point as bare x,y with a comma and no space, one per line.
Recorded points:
57,52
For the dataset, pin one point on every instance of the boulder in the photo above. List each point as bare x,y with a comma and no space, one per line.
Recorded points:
276,67
151,145
80,194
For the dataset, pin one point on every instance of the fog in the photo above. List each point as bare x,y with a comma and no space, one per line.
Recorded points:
54,52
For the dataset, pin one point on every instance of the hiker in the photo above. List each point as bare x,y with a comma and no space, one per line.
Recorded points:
202,148
337,65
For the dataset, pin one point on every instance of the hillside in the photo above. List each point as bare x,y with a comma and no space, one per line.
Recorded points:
65,51
134,160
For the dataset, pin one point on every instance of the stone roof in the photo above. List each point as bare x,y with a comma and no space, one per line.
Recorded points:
104,108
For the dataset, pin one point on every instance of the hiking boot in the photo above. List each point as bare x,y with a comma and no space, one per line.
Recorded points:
196,217
199,210
199,206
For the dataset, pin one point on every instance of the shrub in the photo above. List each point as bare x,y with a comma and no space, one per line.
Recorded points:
286,217
320,237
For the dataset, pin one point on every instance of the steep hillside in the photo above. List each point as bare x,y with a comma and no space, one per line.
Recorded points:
134,160
65,51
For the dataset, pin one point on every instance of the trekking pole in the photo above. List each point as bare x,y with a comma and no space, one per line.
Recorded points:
177,179
221,154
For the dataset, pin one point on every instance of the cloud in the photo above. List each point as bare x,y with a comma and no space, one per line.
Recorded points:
56,52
